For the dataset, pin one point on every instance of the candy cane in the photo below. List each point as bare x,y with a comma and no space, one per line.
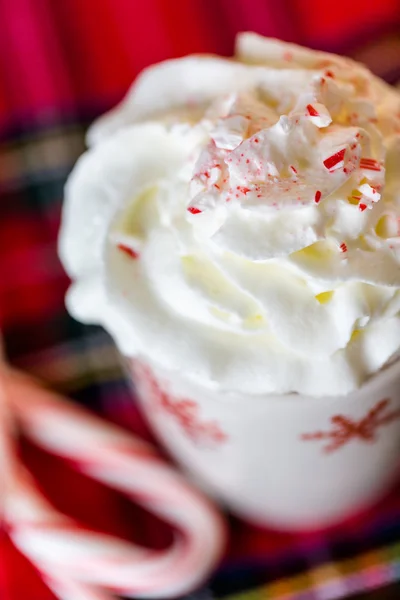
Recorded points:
79,564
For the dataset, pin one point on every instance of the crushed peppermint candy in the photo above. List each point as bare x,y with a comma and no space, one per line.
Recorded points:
243,189
128,251
193,210
369,192
317,196
362,207
230,131
370,164
311,111
318,114
343,247
335,161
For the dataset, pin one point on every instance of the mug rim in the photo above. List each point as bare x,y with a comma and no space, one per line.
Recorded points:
377,380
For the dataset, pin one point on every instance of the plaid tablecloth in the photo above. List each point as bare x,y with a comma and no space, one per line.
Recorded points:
62,62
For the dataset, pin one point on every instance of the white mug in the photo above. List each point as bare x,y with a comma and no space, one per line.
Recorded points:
290,462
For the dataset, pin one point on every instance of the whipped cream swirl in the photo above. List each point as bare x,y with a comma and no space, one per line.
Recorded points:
240,219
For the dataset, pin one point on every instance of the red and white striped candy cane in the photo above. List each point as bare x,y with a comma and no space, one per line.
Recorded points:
79,564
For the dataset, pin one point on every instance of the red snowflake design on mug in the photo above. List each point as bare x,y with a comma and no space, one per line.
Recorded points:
344,429
185,412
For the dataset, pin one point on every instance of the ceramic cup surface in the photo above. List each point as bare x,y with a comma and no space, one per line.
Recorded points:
291,462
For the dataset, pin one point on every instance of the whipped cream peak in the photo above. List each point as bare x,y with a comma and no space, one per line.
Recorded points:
295,162
240,218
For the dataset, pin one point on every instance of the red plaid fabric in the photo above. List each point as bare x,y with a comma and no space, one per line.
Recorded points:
62,63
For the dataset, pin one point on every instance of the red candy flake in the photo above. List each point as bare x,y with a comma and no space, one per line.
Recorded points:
335,159
329,74
243,189
311,111
343,247
293,169
362,207
128,251
193,210
256,140
317,196
370,164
